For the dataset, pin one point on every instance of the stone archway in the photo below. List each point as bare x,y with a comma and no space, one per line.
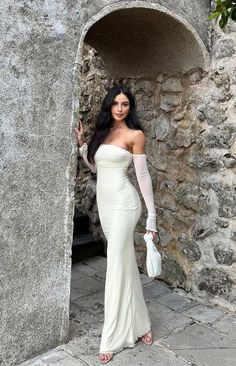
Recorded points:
191,207
109,28
138,36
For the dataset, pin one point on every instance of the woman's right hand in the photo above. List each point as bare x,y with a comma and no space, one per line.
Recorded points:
79,132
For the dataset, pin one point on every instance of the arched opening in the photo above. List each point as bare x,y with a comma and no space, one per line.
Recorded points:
135,42
161,59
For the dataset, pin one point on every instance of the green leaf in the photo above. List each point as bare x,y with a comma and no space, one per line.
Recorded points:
223,21
214,15
225,12
219,8
228,4
233,13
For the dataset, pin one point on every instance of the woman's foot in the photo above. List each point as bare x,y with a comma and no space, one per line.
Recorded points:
147,338
105,357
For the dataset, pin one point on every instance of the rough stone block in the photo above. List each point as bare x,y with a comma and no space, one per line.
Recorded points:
168,102
225,48
189,248
171,85
193,196
215,281
172,270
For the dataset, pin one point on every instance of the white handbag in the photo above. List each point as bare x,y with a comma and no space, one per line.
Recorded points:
153,259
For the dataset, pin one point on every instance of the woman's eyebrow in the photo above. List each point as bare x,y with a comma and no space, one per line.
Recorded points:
121,102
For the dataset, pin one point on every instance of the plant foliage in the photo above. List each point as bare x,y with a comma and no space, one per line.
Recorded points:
224,10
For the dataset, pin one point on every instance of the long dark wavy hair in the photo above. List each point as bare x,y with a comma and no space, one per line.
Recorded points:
104,119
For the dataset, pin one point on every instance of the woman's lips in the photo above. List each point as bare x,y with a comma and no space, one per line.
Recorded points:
119,115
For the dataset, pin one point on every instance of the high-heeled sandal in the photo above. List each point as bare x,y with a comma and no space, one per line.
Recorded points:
150,336
109,359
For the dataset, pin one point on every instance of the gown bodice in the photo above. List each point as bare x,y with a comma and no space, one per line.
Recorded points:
114,189
112,156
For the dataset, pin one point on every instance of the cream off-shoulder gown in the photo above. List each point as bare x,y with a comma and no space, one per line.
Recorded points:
125,313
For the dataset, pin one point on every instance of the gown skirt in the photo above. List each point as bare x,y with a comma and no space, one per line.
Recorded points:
125,313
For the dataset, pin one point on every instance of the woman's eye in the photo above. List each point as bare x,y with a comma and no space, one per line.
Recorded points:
124,104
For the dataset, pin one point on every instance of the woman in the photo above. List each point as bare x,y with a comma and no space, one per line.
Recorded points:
117,140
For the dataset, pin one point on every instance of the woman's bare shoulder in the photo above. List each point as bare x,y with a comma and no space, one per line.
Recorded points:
134,132
137,136
137,141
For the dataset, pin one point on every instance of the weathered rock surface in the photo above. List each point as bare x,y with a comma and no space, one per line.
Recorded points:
216,281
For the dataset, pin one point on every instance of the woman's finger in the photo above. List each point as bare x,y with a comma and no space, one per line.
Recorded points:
81,128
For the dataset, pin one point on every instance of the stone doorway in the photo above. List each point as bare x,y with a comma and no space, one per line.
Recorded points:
169,94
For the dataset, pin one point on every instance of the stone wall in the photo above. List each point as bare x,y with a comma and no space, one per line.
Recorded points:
190,137
39,41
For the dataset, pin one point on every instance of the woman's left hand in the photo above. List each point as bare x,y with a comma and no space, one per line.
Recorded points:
154,233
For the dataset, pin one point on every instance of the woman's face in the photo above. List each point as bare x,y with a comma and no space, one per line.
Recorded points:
120,107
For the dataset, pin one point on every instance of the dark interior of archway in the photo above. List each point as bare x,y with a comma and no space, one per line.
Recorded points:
139,42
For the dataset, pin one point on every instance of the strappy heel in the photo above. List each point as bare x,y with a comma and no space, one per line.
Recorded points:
150,341
109,359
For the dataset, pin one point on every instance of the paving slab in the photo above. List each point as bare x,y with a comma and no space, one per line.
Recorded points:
140,355
145,279
84,286
93,303
57,358
85,269
98,263
204,314
85,346
198,336
81,321
185,331
227,325
175,301
165,320
154,289
210,357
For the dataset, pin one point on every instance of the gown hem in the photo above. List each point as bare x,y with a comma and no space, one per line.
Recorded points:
129,345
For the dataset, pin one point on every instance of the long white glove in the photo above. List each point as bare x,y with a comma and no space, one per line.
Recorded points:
145,185
83,150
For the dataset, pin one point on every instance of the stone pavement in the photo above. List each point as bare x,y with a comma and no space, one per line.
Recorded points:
185,331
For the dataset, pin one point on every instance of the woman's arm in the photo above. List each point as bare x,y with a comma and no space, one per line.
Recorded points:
83,147
144,179
83,150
